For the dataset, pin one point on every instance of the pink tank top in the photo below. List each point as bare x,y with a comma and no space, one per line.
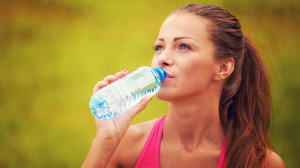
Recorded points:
149,157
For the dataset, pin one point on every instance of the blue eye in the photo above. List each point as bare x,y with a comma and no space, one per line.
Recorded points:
184,47
158,47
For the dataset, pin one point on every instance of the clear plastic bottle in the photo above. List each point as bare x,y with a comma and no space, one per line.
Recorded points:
114,99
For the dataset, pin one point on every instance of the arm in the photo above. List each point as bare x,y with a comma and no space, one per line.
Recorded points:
101,152
110,132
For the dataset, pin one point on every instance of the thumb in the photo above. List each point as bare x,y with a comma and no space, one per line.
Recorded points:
132,112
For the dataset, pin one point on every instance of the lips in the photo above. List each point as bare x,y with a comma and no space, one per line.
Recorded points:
168,77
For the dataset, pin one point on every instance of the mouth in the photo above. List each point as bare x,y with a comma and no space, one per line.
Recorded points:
168,77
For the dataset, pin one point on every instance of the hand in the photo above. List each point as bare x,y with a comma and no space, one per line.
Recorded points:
113,130
110,132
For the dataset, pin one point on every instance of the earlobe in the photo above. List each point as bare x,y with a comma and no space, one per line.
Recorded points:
225,68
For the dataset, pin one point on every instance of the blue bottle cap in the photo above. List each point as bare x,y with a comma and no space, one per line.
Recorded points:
161,72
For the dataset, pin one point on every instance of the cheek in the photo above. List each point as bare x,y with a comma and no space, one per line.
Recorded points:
197,77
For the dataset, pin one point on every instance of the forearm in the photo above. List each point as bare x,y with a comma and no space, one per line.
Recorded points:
101,152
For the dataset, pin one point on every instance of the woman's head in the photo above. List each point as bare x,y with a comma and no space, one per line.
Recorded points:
186,51
225,33
218,44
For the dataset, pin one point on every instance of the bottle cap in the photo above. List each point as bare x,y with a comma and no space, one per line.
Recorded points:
161,72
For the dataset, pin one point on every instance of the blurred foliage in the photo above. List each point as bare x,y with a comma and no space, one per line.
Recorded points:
53,52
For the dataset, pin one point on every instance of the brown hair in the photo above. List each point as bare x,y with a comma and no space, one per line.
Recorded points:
245,103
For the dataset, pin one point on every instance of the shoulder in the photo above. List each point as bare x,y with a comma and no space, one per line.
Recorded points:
139,130
274,160
132,144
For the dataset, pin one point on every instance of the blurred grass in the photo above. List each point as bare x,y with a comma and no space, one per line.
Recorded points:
52,53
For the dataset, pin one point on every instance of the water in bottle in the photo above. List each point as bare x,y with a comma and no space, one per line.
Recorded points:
114,99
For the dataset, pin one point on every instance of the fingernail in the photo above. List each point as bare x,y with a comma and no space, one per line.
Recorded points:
125,70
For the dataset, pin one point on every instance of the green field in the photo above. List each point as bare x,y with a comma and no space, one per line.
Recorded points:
53,52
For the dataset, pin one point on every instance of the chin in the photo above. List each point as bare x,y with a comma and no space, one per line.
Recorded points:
165,96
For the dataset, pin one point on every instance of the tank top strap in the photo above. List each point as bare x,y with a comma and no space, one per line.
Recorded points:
149,157
222,159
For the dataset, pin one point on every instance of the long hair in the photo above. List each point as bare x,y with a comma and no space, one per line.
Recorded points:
245,103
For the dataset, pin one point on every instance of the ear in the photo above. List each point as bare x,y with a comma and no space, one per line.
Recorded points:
225,68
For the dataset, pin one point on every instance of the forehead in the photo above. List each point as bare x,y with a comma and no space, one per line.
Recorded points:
182,24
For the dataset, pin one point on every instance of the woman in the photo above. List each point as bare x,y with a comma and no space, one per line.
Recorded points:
219,97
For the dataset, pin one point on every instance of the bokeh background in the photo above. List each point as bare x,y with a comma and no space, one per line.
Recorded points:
53,52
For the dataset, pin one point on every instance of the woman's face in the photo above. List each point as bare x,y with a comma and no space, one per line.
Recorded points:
185,52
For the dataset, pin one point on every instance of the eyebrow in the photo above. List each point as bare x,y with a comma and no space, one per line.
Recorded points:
177,38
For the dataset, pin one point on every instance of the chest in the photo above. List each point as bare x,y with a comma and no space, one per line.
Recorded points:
172,156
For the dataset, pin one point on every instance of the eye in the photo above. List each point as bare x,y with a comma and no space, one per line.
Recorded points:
184,47
158,47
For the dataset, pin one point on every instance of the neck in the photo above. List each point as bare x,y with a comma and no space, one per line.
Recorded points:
195,122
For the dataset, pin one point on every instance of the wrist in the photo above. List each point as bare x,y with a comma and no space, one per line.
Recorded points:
106,143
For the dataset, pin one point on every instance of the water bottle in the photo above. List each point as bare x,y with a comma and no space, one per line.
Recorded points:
119,96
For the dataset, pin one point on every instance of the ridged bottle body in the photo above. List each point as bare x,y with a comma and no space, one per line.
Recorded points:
114,99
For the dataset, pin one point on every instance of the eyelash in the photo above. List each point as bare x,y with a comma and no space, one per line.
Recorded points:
156,48
185,45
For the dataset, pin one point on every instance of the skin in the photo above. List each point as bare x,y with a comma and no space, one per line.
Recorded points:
192,133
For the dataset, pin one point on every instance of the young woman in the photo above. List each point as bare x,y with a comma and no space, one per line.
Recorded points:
219,96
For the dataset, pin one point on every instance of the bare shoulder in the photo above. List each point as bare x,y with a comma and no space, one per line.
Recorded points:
139,130
274,160
132,144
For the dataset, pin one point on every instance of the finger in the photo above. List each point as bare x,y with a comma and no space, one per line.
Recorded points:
106,81
100,85
132,112
111,78
122,73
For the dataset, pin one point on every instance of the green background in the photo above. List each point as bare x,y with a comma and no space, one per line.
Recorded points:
53,52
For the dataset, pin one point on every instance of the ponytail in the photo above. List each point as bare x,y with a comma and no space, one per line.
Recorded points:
248,115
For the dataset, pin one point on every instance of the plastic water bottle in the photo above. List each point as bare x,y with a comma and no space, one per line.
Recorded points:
114,99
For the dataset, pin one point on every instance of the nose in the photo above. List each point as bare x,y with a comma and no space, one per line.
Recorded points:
165,59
